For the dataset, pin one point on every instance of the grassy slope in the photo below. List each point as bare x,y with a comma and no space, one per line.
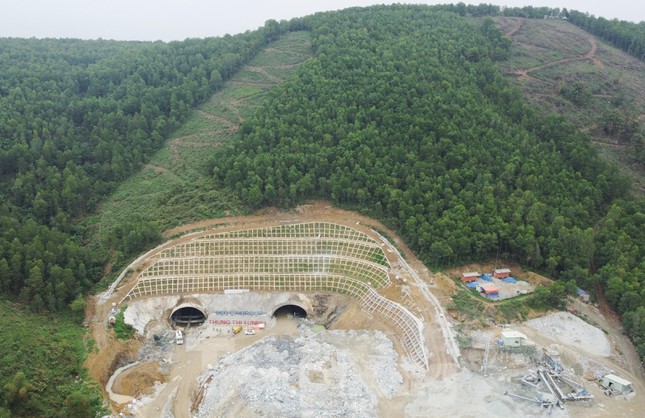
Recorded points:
547,55
174,188
50,351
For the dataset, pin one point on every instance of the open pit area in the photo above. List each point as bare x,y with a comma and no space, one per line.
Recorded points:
323,312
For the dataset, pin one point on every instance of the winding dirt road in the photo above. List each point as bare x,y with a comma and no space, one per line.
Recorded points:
589,55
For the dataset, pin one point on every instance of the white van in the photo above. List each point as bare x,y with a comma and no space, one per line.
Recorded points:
179,337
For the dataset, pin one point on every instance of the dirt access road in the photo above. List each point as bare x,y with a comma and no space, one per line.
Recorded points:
191,360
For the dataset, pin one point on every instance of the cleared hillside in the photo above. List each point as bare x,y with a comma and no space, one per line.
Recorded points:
600,89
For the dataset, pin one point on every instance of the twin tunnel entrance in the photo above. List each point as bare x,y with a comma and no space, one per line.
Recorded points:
191,316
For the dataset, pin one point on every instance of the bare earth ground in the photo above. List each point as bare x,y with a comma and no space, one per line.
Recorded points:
446,389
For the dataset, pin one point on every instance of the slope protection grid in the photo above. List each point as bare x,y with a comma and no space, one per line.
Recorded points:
309,257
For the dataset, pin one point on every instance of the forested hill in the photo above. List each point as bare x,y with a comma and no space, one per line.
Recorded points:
405,116
402,114
76,118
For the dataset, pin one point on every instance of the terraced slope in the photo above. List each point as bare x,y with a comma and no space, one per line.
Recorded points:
302,257
285,257
174,187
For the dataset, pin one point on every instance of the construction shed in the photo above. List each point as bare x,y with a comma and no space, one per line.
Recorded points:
470,276
513,338
617,384
501,273
489,289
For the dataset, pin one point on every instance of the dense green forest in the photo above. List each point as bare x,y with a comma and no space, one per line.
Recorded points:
402,114
76,119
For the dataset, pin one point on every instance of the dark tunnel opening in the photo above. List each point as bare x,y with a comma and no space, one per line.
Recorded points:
290,311
188,316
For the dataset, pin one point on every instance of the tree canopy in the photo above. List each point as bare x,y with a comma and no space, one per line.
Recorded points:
403,115
76,119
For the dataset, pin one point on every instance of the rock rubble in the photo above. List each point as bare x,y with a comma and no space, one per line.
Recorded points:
311,374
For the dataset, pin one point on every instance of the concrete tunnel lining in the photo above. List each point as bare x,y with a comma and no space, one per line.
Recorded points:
290,308
188,313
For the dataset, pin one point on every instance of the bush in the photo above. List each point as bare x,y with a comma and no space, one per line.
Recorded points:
513,310
77,307
468,304
549,297
122,330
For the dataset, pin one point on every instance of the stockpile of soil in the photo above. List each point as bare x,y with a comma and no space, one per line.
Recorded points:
573,331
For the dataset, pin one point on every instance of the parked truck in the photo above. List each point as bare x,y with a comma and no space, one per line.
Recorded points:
179,337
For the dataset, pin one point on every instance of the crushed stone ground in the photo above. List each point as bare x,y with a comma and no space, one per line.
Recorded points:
311,374
571,330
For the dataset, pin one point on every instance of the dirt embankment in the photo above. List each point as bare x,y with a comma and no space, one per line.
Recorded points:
139,379
109,352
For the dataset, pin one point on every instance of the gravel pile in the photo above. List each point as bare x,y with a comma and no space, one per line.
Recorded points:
592,369
159,348
311,374
573,331
377,354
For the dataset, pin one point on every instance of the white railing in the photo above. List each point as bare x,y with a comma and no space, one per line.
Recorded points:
305,257
407,326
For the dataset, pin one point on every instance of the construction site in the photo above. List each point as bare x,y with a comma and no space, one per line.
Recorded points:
324,312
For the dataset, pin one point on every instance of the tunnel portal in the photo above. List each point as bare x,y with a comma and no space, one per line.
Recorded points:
188,316
290,311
